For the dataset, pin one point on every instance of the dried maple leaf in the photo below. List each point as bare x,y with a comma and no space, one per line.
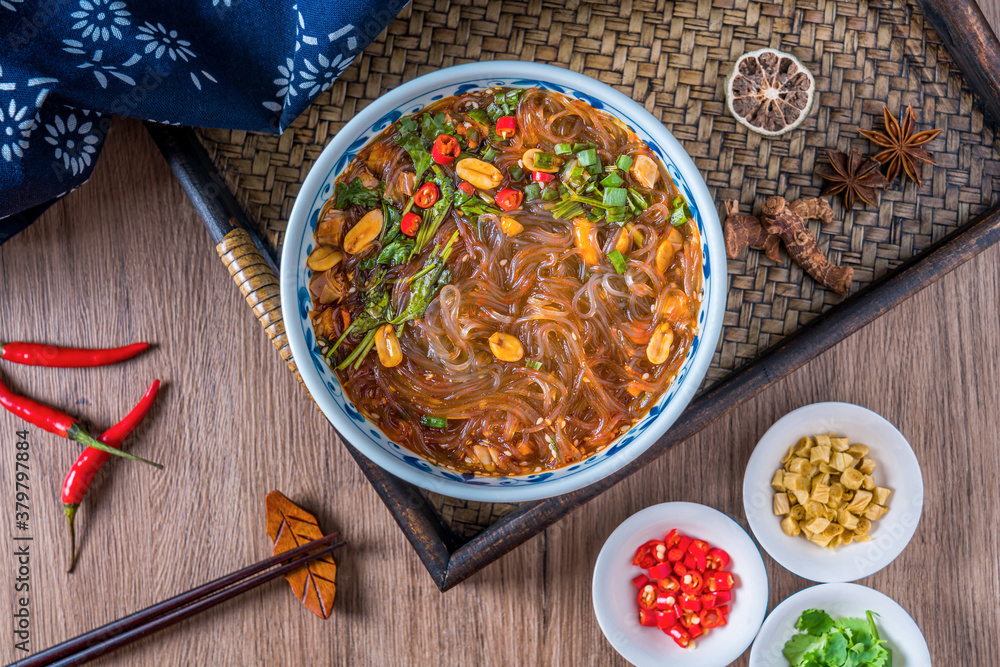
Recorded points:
854,176
289,526
903,147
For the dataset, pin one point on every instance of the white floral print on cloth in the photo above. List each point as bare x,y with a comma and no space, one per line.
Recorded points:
242,64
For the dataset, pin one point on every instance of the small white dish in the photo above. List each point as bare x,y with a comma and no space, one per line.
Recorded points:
615,596
895,625
897,469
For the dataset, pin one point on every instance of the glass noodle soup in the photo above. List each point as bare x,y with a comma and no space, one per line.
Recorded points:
506,281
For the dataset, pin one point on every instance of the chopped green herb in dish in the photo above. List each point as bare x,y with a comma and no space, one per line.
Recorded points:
847,642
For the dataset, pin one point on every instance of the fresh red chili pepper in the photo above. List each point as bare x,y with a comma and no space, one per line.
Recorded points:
542,177
649,554
467,188
711,618
709,600
647,617
720,581
689,602
640,580
690,562
506,126
684,543
665,601
82,473
670,584
718,559
427,195
694,628
509,199
57,422
698,547
36,354
680,635
647,597
723,597
692,582
410,224
445,149
672,538
723,609
659,571
675,555
666,620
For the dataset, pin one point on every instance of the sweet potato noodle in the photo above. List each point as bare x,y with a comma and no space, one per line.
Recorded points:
587,372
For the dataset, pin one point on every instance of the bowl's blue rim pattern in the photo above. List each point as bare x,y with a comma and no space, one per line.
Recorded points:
345,415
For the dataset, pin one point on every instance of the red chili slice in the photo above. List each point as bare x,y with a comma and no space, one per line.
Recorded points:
647,617
694,630
427,195
692,583
647,597
665,601
659,571
445,149
410,224
718,559
665,619
690,603
506,126
670,584
698,547
649,554
509,199
467,188
723,597
709,600
712,618
542,177
672,538
680,635
720,581
640,580
675,555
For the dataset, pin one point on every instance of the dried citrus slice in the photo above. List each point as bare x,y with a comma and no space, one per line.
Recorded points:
770,91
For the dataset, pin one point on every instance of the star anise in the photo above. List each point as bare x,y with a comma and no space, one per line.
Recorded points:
903,147
854,176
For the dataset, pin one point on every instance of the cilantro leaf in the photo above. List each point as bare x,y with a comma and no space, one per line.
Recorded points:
815,622
857,629
800,647
431,126
356,193
835,650
411,141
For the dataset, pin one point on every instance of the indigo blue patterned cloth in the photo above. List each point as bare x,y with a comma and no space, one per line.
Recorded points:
67,66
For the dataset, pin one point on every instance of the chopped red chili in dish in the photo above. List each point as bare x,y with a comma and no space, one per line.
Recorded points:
445,149
685,590
427,195
509,199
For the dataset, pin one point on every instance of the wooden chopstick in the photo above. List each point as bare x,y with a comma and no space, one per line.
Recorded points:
125,630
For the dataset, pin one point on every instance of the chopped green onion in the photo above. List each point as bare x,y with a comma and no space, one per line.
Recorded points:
479,116
434,422
581,147
624,162
638,199
472,136
617,260
596,169
615,197
678,217
562,189
563,149
516,173
532,191
610,169
587,157
494,112
544,160
678,202
490,154
550,194
533,364
613,181
596,214
616,214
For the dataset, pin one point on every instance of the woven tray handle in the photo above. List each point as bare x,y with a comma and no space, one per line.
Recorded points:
259,286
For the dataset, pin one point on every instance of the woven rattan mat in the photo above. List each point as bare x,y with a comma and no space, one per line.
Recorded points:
673,58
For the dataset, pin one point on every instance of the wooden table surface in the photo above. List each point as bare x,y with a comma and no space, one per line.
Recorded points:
125,258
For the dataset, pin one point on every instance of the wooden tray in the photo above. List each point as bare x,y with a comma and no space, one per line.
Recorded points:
672,57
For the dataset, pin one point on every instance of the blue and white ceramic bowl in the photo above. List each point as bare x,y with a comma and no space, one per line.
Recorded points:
323,383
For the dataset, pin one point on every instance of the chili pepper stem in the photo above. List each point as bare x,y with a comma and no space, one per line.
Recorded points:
70,515
76,433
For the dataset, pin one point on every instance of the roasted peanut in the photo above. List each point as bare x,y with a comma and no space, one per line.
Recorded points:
363,233
583,238
658,348
510,226
387,346
323,258
668,249
645,171
676,307
506,347
528,162
482,175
